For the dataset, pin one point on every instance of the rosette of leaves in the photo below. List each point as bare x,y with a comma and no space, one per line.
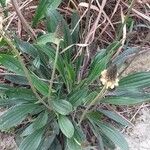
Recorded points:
49,121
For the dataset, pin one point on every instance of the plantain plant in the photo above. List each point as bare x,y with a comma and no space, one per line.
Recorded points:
50,106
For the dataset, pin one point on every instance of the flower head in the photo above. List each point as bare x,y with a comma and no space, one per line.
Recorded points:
109,77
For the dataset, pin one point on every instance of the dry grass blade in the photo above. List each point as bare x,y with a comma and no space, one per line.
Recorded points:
114,11
138,13
22,19
123,36
91,34
93,7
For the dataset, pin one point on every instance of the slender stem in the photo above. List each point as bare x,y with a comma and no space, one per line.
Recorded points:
98,97
24,68
53,72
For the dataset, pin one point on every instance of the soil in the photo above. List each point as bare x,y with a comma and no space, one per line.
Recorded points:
138,136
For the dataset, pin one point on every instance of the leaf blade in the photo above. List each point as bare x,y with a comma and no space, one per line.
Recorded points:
66,126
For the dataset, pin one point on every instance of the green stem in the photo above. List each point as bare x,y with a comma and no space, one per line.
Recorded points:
53,72
24,68
98,97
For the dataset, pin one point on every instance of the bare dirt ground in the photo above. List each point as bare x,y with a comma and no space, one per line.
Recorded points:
137,136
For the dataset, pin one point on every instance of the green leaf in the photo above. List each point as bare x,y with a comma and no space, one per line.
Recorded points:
46,142
111,49
32,141
50,52
72,144
17,79
66,126
131,92
97,134
40,122
48,38
114,135
79,135
37,62
41,86
26,47
77,97
55,4
120,100
3,4
55,145
15,115
42,7
90,97
120,59
70,73
116,117
140,79
98,57
58,21
53,19
11,63
98,65
10,96
74,20
62,106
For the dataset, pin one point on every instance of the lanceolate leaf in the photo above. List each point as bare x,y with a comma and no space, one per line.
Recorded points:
96,132
77,97
12,92
116,117
47,38
41,86
120,100
111,49
62,106
32,141
66,126
72,144
50,52
42,7
11,63
46,142
17,79
26,47
74,20
96,69
40,122
55,145
16,115
114,135
119,60
79,135
53,19
140,79
11,97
